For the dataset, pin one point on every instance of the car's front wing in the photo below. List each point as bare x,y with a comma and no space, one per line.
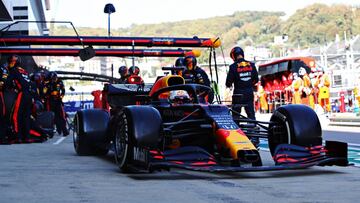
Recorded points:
289,157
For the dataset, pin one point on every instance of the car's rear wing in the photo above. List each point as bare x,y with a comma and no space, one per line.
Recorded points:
126,94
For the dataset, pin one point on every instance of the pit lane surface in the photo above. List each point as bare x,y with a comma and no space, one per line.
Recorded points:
52,172
343,134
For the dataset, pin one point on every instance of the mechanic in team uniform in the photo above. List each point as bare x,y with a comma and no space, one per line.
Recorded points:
194,74
4,73
134,76
38,87
56,92
46,92
123,71
22,108
244,76
179,63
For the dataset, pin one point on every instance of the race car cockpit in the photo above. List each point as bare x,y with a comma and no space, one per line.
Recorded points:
178,97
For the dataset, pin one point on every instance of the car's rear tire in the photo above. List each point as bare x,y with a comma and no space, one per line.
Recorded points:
90,127
294,124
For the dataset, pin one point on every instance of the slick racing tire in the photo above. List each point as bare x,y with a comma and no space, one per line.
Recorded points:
89,133
138,126
294,124
122,143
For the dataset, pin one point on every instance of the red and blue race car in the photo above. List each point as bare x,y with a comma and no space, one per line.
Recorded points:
172,126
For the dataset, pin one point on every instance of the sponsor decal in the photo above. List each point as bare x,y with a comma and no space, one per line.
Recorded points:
244,69
243,142
245,74
225,122
140,154
74,106
173,113
161,41
245,79
234,140
152,52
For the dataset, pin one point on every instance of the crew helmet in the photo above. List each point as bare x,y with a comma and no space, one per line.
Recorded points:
190,62
179,62
134,70
123,71
235,52
14,60
53,76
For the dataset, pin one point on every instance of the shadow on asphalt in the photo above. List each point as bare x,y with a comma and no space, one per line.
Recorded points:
180,174
188,175
108,158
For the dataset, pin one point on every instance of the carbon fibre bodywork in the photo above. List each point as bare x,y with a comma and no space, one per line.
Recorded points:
198,136
170,125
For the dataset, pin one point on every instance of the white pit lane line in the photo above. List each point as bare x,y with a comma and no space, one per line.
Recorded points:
59,140
354,145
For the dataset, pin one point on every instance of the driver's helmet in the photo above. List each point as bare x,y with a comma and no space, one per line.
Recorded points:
179,97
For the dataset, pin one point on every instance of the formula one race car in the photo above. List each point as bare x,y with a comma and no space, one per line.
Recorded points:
172,126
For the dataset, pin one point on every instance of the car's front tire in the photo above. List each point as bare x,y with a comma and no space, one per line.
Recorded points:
89,132
294,124
122,144
137,127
